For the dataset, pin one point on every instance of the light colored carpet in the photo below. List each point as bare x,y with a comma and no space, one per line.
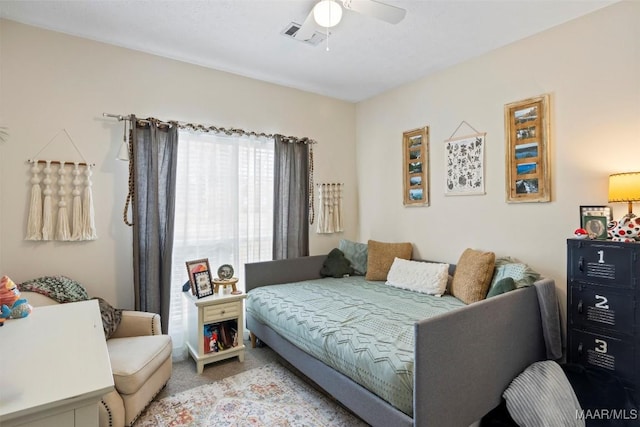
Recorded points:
269,395
185,375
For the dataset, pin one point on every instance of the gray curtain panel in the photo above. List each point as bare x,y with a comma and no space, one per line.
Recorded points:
155,150
291,199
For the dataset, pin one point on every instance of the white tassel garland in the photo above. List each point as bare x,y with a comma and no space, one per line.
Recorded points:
337,208
34,223
47,209
76,220
88,221
63,232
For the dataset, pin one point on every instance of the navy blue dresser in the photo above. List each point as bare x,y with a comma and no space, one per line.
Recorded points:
603,308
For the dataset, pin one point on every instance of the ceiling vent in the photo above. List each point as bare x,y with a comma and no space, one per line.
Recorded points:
291,30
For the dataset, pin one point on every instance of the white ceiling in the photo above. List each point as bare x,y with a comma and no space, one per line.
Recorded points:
366,56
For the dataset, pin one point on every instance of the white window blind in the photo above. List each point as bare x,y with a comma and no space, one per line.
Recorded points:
224,210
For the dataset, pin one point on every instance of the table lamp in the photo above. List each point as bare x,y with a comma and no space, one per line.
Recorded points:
625,187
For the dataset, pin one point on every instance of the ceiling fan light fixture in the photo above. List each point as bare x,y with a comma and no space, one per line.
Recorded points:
327,13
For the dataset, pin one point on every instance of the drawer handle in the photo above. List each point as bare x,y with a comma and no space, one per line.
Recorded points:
223,312
580,349
580,307
581,264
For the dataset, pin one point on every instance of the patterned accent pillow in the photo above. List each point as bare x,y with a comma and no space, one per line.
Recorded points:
522,274
543,396
111,317
473,274
356,253
503,286
425,277
59,288
381,255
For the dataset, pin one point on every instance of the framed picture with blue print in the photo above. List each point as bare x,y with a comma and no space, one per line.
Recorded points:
527,132
415,164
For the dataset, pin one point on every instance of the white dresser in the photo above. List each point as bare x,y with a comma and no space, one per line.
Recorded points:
54,367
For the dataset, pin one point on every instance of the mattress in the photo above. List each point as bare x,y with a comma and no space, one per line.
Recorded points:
363,329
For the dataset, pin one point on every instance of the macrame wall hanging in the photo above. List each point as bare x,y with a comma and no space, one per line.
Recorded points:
45,222
330,197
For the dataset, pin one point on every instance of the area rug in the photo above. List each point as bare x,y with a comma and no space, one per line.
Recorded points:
266,396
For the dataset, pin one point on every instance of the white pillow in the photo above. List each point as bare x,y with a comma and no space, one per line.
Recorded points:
426,277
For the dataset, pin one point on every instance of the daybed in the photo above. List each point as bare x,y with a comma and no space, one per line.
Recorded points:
463,359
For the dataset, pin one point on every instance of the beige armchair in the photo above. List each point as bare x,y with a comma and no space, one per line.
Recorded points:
140,362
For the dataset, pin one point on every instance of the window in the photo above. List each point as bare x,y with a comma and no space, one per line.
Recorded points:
224,209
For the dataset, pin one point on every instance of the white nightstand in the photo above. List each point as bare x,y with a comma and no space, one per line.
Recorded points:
215,328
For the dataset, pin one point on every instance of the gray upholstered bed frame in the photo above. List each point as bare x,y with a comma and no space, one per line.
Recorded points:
464,359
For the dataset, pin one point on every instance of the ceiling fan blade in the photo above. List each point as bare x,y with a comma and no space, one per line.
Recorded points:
307,29
375,9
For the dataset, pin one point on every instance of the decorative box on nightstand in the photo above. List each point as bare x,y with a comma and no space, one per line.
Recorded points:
603,308
215,327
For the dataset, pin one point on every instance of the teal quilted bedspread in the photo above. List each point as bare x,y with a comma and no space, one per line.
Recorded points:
362,329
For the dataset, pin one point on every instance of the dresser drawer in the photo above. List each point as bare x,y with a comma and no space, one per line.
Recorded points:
600,307
612,354
222,311
602,262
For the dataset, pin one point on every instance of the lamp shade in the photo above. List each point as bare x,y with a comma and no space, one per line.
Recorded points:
327,13
624,187
123,153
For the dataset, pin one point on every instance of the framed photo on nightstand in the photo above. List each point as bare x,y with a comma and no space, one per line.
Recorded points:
204,288
198,266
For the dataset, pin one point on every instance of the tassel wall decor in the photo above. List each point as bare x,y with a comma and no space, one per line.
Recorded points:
41,214
330,213
40,224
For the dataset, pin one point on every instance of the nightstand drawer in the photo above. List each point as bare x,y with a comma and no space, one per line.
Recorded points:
221,311
612,354
605,263
599,307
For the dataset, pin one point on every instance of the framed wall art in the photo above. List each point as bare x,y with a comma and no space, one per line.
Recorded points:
464,160
415,165
527,132
197,266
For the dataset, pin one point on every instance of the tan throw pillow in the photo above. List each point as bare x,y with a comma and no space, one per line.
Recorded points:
381,256
473,275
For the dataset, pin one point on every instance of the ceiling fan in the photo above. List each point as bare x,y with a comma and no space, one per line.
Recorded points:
328,13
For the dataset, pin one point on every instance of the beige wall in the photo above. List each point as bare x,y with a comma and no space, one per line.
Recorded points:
51,81
591,68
